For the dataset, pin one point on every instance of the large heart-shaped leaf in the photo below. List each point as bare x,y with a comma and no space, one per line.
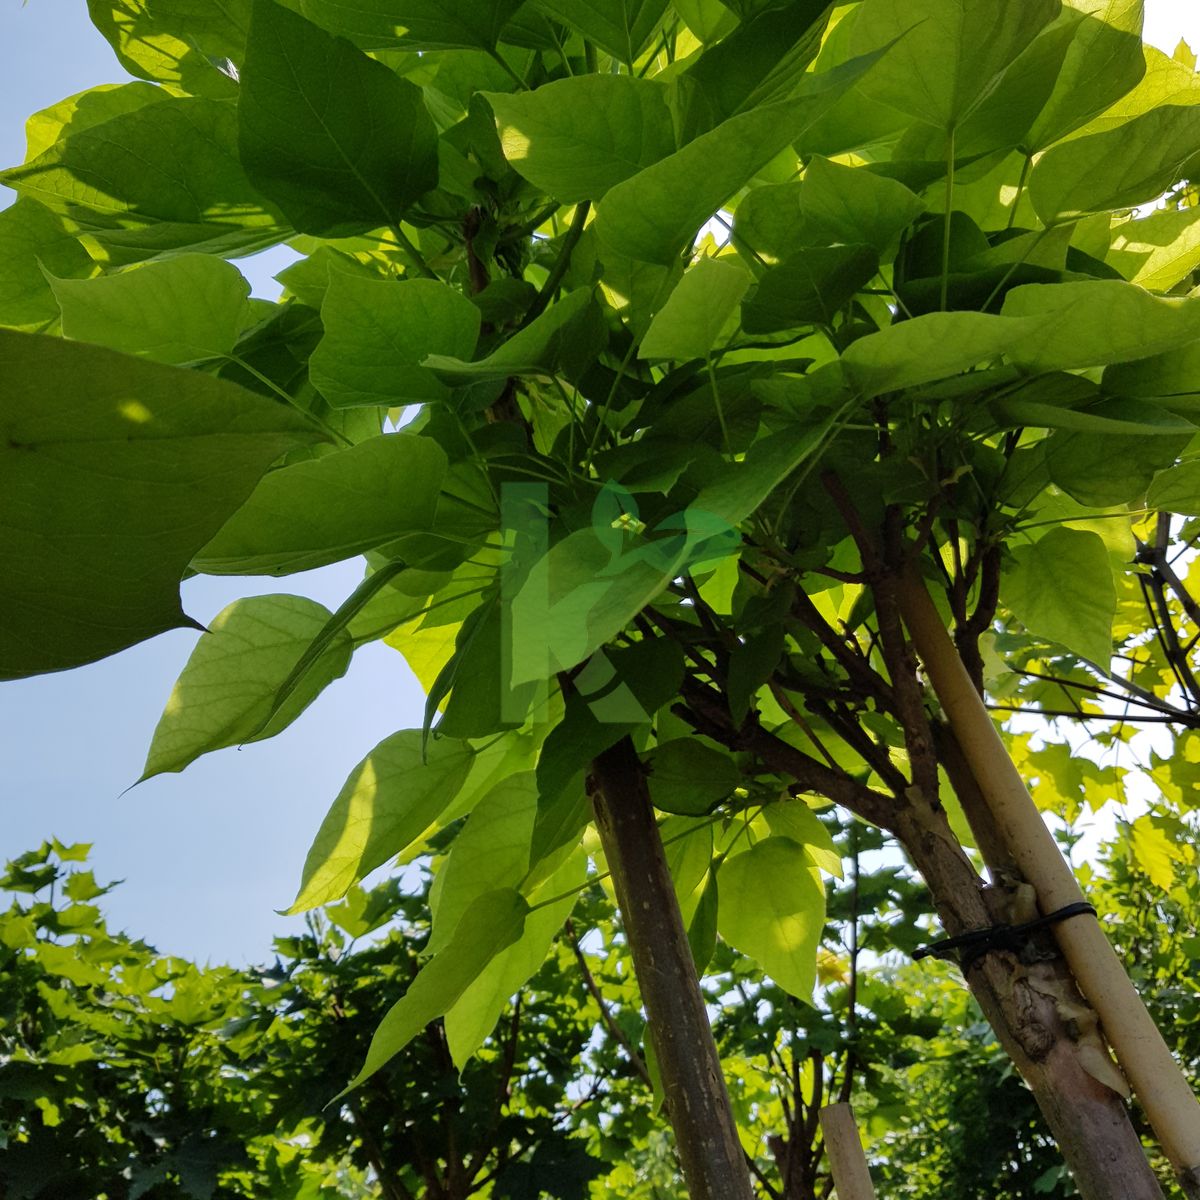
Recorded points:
113,473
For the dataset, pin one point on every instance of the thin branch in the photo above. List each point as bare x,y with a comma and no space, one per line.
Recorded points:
1093,689
706,712
615,1031
1075,715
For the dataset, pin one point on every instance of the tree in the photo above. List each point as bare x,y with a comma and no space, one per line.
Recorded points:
670,521
129,1073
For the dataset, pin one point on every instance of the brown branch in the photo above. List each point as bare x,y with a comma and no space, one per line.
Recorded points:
610,1023
861,673
392,1186
874,754
697,1101
801,722
901,662
867,550
980,818
477,271
706,712
1093,689
968,632
1190,722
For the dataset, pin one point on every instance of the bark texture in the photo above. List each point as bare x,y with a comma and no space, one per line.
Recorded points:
1164,1092
1025,1005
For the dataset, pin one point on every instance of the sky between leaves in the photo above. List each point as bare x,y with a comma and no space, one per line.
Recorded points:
208,855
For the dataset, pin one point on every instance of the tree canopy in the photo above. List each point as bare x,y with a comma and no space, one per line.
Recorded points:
711,389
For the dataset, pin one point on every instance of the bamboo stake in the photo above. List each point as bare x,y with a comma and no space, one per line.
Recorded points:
847,1162
1144,1057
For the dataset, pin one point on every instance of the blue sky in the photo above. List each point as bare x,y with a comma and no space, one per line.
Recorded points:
206,856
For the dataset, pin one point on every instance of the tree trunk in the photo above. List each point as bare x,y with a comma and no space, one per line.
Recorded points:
1144,1056
1088,1119
1021,1002
714,1166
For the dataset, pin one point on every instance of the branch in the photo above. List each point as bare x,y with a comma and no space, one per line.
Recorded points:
615,1031
1188,722
393,1188
706,712
966,635
1161,706
861,673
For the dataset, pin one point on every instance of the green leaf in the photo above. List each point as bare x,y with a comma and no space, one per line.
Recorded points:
176,41
751,663
339,623
538,349
619,690
180,310
945,56
414,24
390,799
928,347
1117,168
1096,322
709,20
1102,63
339,141
622,27
773,910
485,696
470,1021
1175,373
85,109
702,928
329,508
199,198
587,588
491,851
378,331
33,240
575,138
760,61
1159,250
654,214
688,849
852,204
226,689
1177,490
1121,417
106,498
689,778
808,288
1061,588
1155,852
494,922
741,487
794,819
308,279
1099,472
690,324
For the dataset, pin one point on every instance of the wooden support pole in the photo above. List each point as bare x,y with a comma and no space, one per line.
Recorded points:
1145,1058
847,1162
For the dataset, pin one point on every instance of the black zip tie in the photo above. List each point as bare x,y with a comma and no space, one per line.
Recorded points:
968,948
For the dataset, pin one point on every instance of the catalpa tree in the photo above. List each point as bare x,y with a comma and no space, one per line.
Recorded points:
684,534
